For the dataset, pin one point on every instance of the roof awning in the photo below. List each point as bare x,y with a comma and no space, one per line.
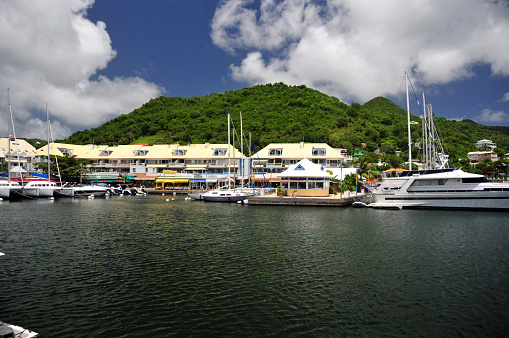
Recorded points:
195,167
146,177
172,180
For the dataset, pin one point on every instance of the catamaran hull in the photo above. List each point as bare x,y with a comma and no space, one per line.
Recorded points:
479,200
5,192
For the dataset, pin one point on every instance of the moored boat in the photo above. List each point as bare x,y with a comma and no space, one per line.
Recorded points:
442,189
223,195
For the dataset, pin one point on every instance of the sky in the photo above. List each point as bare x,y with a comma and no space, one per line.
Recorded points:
89,61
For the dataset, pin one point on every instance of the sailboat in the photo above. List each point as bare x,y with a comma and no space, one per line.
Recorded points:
225,195
42,188
8,188
437,186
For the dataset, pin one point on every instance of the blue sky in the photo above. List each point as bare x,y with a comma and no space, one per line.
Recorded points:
94,60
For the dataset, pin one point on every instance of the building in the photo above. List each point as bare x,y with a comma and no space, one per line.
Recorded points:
479,156
146,163
305,179
277,157
487,144
17,151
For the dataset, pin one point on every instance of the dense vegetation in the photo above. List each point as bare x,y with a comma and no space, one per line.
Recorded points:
281,113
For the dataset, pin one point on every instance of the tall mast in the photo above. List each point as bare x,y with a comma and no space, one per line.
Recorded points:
228,151
424,134
241,150
9,138
49,160
409,131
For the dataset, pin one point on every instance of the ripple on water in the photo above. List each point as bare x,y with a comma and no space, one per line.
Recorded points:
146,267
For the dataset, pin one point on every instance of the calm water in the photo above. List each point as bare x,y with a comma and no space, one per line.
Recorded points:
145,267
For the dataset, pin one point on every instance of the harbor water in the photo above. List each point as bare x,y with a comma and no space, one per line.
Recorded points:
150,266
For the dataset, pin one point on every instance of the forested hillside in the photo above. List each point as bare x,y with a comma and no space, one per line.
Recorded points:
281,113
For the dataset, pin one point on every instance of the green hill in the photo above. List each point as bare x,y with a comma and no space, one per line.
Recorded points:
280,113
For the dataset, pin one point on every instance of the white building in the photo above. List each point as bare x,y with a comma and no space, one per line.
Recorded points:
485,143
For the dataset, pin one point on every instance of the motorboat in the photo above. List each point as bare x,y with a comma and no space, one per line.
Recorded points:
88,190
445,188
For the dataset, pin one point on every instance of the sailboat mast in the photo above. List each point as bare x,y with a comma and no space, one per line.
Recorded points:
234,165
424,134
49,161
228,151
409,131
241,166
9,138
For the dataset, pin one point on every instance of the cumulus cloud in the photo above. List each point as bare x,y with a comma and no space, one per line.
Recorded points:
51,52
358,49
489,116
506,97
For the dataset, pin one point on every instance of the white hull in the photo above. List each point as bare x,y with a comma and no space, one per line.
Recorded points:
30,192
495,200
18,331
223,196
89,190
5,192
63,192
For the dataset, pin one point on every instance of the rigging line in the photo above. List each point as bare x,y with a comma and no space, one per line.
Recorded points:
260,163
420,108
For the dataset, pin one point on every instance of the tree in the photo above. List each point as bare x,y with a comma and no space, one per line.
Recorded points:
70,167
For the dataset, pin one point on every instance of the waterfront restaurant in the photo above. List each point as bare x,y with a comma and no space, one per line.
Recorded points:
305,179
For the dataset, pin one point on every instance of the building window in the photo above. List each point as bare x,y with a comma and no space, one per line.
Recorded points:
179,152
318,152
276,152
105,153
65,151
140,152
220,152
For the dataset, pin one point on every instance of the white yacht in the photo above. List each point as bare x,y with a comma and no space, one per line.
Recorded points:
223,195
441,189
438,186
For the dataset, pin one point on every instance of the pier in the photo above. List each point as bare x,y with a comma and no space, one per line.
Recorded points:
333,201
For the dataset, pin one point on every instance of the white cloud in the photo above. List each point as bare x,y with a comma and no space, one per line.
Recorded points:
489,116
51,52
506,97
358,49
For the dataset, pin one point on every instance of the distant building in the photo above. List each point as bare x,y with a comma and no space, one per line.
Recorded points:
358,152
479,156
485,143
17,151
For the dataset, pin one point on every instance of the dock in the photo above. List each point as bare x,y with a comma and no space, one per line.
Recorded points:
301,201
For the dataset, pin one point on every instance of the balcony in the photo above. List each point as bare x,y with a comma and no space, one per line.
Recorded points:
217,165
176,165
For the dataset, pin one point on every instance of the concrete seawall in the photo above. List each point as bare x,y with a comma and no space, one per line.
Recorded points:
301,201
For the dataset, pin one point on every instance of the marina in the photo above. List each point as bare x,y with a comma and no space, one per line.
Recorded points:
148,266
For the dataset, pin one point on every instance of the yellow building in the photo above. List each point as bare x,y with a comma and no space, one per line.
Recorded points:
276,157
